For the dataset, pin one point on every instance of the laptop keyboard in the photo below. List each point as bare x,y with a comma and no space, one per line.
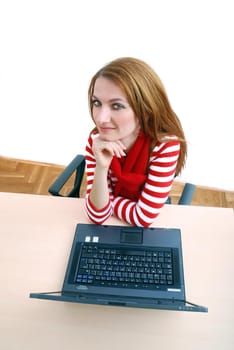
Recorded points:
101,265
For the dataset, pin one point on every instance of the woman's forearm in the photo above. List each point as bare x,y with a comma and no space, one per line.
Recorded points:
99,194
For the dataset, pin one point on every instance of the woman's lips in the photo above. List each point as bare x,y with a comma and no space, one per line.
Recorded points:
106,129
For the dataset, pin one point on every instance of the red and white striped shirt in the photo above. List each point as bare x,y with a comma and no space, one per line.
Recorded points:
161,173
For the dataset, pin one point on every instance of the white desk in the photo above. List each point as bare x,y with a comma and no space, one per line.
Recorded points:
36,236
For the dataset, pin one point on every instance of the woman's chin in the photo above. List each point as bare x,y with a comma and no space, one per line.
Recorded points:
108,136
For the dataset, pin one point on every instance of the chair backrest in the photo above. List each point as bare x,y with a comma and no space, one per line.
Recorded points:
77,165
187,194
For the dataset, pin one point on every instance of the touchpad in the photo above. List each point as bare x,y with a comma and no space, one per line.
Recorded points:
131,235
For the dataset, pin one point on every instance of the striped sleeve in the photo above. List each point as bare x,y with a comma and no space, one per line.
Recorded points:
159,181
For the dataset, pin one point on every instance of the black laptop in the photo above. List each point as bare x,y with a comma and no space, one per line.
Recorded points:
125,266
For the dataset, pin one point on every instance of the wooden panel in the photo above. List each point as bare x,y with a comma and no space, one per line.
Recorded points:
23,176
27,177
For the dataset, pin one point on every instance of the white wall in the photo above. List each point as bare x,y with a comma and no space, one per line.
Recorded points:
49,49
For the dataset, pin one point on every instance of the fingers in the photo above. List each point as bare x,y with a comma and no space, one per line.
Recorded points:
114,148
121,148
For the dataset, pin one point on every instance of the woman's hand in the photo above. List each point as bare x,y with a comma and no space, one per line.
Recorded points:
104,151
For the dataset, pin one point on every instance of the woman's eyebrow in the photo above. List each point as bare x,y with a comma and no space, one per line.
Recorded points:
116,99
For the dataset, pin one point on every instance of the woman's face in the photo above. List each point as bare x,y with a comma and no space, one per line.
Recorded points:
112,114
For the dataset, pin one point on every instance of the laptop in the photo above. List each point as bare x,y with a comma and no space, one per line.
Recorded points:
125,266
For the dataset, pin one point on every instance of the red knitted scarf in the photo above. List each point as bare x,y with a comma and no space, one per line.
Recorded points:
131,171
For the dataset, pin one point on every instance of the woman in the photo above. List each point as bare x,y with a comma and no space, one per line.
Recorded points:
137,147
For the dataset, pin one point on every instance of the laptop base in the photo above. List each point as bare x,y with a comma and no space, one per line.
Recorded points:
161,304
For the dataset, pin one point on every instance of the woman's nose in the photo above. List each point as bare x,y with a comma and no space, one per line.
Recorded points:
103,115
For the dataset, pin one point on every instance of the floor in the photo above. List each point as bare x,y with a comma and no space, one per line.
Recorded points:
23,176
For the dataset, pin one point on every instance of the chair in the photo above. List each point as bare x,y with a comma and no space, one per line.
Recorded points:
77,166
187,194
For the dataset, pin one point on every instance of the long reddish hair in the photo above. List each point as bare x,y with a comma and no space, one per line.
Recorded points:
147,97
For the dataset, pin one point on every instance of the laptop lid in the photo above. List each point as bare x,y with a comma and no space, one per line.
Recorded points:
150,251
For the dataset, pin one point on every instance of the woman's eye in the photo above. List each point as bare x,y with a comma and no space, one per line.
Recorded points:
96,103
117,106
